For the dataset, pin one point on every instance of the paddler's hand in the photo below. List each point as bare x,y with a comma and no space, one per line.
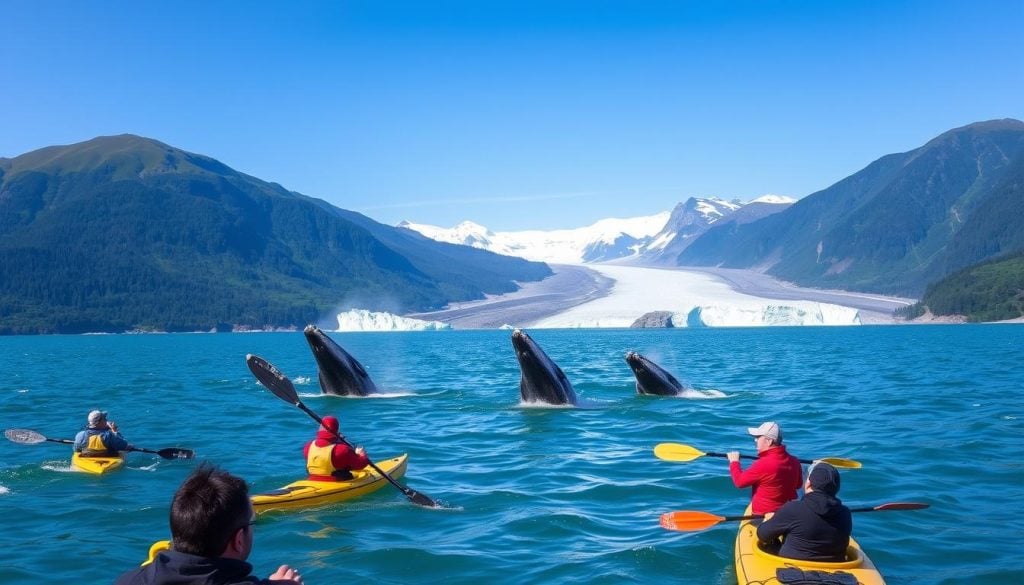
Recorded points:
360,451
112,425
286,574
733,456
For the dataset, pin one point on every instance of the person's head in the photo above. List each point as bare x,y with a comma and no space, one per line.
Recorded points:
97,419
766,436
328,430
822,477
211,515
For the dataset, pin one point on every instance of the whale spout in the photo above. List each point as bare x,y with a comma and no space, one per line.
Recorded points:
340,373
652,378
541,380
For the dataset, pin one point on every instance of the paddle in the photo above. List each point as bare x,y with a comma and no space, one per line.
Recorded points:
683,453
282,387
27,437
687,520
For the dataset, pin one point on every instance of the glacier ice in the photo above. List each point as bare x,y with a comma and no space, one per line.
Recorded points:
363,320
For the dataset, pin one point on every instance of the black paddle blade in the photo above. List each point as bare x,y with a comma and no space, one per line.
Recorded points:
901,506
419,498
24,436
273,379
174,453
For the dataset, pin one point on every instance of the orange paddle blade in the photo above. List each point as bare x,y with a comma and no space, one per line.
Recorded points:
686,520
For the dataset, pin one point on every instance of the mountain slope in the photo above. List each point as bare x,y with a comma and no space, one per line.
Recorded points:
125,232
887,228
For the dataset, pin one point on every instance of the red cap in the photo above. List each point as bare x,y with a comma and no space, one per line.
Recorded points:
330,424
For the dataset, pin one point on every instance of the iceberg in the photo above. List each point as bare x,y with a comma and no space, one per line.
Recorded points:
806,313
363,320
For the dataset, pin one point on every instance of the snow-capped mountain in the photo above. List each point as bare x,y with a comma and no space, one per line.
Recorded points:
604,240
694,217
655,238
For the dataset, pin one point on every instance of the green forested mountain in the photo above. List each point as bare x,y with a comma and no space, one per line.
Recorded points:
989,291
125,232
902,222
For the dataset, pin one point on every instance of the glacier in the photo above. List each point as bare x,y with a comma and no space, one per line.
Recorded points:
797,313
363,320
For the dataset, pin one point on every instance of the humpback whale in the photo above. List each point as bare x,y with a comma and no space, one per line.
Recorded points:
651,378
340,373
541,379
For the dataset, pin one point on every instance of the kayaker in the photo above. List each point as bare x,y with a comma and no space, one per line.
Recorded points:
100,437
817,527
212,536
329,459
775,476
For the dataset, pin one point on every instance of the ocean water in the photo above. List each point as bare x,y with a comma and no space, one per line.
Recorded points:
536,495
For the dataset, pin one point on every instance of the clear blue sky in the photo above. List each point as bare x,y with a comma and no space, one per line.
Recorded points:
516,114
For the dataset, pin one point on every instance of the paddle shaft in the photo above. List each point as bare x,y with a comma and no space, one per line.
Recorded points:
724,455
317,418
169,454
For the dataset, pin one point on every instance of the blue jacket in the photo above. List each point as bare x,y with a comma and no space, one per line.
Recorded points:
112,441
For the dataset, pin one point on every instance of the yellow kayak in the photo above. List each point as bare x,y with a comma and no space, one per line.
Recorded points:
306,493
755,566
98,465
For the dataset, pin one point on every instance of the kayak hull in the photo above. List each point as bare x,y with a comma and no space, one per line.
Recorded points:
755,566
97,465
306,493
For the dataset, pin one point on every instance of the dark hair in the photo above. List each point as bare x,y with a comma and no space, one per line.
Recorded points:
209,507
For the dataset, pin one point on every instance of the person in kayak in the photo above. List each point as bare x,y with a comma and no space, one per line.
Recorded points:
817,527
212,536
774,477
329,459
100,438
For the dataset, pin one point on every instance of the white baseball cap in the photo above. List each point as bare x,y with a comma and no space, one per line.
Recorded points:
770,429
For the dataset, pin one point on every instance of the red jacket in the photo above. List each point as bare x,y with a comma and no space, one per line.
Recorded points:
342,457
775,477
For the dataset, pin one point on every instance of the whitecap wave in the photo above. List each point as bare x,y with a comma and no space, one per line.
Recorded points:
4,490
694,394
60,467
301,380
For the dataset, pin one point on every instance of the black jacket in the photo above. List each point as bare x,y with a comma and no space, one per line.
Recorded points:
817,528
177,568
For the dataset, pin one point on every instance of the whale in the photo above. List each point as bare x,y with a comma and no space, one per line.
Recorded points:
541,380
652,378
340,374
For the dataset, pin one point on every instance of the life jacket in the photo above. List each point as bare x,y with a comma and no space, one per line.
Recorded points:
95,447
319,464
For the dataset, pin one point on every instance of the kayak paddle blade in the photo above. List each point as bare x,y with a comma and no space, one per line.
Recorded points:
901,506
272,379
676,452
175,453
687,521
24,436
840,462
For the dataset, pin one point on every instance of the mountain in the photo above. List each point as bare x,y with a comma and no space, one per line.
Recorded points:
124,232
652,239
903,221
604,240
694,217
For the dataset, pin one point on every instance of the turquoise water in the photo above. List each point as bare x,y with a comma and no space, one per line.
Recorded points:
935,414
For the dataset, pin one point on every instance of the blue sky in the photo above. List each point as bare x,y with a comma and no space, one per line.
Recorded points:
515,114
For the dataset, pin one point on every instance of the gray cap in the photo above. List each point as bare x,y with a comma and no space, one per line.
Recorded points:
770,429
97,418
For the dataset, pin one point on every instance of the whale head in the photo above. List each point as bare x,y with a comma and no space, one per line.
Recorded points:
541,380
339,373
650,377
